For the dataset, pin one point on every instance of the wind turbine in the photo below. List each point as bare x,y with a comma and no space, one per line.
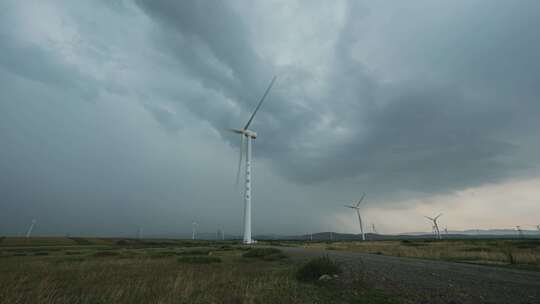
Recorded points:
245,141
538,227
194,226
520,232
373,228
357,208
29,232
435,225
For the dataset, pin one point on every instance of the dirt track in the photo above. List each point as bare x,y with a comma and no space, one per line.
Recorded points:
427,281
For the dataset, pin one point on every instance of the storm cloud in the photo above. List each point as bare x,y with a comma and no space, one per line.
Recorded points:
113,115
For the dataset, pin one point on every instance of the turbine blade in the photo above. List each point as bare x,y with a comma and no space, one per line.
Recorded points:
429,218
234,131
260,103
361,199
240,160
352,207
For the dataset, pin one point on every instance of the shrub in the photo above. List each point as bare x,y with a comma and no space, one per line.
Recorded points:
225,247
477,249
315,268
103,254
412,243
332,248
195,252
274,256
70,259
532,244
41,253
199,260
162,254
122,243
81,241
72,252
261,252
511,259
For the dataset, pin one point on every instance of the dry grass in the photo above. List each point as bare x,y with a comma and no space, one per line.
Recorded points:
501,252
136,274
124,281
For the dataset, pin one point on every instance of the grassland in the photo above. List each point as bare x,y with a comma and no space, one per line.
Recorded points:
511,253
92,271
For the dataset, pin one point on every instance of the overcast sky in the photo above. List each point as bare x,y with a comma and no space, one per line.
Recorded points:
113,114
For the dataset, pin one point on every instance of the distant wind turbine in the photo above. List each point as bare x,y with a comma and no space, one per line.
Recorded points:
194,226
538,227
357,208
520,232
435,225
373,228
29,232
245,144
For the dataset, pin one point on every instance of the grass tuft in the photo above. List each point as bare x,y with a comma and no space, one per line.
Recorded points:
194,252
315,268
261,252
199,260
104,254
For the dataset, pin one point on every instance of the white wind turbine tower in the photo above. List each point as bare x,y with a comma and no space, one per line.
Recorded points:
435,225
194,226
29,232
139,233
357,208
245,140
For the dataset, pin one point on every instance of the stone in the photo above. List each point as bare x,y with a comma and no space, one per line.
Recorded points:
325,277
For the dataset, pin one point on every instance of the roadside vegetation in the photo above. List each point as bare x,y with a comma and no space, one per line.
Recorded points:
318,268
90,270
513,253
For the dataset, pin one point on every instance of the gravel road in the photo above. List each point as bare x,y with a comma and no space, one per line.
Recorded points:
427,281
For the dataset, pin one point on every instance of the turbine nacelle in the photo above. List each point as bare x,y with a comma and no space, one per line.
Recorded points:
244,132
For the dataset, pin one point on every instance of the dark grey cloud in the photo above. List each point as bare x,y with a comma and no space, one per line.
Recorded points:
435,131
390,98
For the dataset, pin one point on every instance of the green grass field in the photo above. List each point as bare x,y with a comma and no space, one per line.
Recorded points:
92,271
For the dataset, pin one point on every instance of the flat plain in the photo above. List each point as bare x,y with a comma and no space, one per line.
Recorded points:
119,270
108,270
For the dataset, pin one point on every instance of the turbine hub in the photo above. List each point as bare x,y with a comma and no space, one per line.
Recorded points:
250,133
